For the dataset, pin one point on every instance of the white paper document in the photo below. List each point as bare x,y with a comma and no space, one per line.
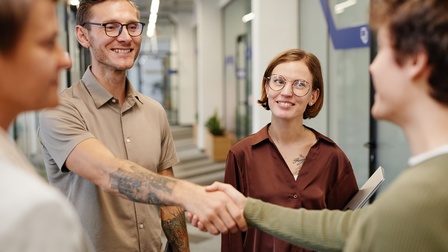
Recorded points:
367,190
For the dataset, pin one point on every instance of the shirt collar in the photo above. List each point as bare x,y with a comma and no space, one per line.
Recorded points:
263,135
101,96
417,159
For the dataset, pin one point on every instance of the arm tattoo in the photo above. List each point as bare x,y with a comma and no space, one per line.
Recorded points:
141,186
175,228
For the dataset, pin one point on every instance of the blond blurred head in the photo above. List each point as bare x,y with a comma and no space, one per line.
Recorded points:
30,57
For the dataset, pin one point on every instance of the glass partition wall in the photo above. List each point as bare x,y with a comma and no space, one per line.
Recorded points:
349,93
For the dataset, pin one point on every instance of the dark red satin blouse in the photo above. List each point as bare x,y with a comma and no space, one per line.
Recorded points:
256,168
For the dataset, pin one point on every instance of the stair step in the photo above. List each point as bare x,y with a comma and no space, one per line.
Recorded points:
194,166
207,179
182,132
191,155
198,170
185,144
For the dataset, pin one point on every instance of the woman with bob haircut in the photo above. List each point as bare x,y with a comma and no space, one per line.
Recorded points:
287,163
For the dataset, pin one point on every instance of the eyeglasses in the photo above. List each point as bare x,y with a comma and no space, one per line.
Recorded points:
114,29
278,82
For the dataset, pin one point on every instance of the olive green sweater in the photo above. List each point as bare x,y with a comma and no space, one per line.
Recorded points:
411,215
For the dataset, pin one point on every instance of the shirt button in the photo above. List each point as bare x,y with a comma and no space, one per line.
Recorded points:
128,140
140,225
113,100
295,196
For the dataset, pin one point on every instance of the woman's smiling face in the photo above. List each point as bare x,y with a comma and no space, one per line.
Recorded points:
283,103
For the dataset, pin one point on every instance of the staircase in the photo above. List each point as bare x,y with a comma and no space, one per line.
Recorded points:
194,165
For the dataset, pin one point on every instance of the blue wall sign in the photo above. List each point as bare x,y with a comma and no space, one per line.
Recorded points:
346,38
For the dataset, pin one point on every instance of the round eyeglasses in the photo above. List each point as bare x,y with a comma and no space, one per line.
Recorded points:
114,29
299,87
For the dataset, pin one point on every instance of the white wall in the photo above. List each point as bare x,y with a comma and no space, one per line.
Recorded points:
186,65
209,62
274,29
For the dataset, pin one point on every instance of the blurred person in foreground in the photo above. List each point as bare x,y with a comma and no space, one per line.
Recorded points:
411,90
109,148
33,216
287,163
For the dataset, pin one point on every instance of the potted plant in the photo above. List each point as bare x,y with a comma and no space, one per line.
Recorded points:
217,141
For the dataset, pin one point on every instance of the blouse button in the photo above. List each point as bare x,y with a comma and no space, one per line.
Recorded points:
128,140
141,226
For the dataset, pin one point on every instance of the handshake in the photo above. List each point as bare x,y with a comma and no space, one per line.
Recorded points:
217,208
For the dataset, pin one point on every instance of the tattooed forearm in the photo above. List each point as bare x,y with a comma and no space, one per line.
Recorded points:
175,228
141,186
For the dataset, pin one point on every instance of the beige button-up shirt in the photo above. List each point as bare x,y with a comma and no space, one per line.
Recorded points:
138,131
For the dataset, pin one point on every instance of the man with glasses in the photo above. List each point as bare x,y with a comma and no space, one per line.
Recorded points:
110,149
114,29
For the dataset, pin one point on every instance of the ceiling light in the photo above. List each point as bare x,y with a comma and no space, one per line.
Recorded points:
248,17
74,2
340,7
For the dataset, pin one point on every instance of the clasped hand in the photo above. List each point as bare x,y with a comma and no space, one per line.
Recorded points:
231,217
